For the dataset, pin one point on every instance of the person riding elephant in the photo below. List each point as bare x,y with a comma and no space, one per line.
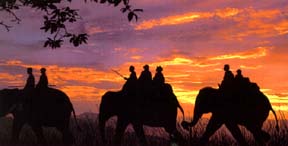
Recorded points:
244,87
30,82
145,81
130,87
43,81
159,79
28,89
159,83
228,77
227,84
239,75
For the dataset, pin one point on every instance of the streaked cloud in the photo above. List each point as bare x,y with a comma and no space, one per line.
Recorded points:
187,18
10,80
91,30
172,20
227,12
76,93
250,54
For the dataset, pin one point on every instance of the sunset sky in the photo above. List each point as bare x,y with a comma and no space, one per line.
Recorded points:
190,39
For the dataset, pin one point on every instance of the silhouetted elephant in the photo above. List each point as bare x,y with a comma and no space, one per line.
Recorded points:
136,111
250,112
51,108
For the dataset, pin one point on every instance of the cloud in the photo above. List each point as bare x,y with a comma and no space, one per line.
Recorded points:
230,23
227,12
91,30
83,93
10,80
250,54
187,18
172,20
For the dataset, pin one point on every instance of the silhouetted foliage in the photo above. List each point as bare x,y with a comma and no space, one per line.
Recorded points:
56,18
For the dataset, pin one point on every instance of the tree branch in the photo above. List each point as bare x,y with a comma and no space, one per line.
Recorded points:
57,18
7,27
16,18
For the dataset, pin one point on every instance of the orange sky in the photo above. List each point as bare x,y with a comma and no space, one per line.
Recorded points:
191,41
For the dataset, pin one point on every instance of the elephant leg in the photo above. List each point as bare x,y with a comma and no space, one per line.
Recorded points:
266,136
140,133
102,122
17,126
214,124
120,129
175,135
39,133
235,131
260,136
67,136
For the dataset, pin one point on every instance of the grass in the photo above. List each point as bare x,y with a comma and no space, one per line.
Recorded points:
89,136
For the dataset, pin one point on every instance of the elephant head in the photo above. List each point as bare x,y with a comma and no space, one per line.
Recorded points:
110,105
8,100
206,101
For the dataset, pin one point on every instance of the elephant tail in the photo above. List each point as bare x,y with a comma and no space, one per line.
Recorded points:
274,113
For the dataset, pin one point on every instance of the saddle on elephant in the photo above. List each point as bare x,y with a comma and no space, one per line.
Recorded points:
240,90
44,101
158,96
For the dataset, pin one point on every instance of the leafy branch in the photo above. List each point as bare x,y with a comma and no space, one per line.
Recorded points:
56,18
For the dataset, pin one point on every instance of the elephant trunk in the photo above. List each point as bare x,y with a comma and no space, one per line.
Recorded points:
102,123
197,115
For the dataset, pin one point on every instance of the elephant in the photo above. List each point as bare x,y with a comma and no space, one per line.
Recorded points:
162,112
51,108
251,112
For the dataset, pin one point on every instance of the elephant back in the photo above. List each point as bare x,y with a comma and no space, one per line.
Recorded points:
246,102
50,105
161,105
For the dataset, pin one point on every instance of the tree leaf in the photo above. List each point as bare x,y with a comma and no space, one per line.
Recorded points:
103,1
138,10
46,43
117,2
130,16
51,6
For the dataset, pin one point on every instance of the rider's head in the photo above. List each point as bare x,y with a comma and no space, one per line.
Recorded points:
29,70
131,68
146,67
239,71
159,69
226,67
43,70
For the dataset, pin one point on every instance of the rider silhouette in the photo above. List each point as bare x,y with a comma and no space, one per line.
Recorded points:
227,85
30,82
29,86
239,75
228,78
146,76
145,81
131,83
43,81
159,79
